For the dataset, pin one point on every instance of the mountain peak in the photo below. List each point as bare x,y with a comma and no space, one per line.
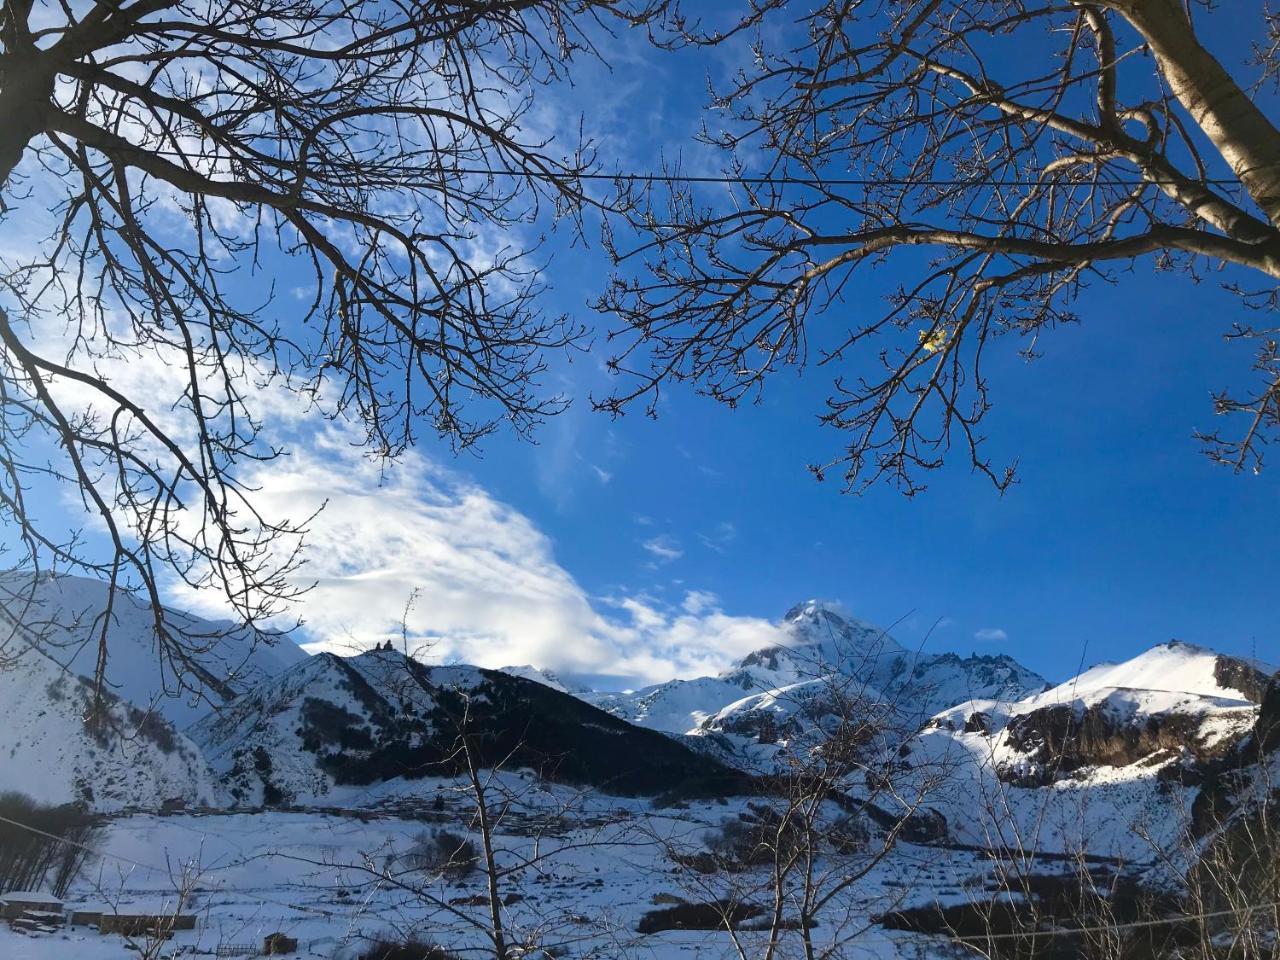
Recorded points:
1174,668
813,607
825,632
830,612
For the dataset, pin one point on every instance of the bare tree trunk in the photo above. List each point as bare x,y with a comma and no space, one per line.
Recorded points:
27,86
1247,140
496,931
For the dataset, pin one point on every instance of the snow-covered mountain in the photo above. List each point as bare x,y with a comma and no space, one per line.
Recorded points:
1122,740
381,716
132,753
1114,754
123,757
1168,708
548,679
61,616
828,653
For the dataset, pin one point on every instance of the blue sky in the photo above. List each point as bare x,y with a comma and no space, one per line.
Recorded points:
631,550
1119,535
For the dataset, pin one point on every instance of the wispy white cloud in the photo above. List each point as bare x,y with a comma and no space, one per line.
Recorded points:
558,466
697,638
603,475
664,547
699,601
719,537
484,580
991,635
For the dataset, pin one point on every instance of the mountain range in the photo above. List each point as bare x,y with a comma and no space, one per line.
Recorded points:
773,693
381,716
271,726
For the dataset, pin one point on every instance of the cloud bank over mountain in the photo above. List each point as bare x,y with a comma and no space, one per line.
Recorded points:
418,551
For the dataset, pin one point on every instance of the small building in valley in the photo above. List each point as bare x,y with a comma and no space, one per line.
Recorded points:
83,914
278,944
19,902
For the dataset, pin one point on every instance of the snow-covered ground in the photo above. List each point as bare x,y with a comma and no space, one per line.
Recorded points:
322,877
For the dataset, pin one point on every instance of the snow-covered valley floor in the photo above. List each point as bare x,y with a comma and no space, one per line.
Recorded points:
320,876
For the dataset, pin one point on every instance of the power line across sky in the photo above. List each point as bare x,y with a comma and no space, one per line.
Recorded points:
555,173
769,180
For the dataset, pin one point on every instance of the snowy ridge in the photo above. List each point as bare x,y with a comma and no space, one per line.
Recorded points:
380,716
1171,679
270,745
242,741
547,678
1115,753
304,728
62,616
1177,669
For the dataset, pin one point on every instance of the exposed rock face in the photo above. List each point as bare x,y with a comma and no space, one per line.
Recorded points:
1061,739
759,725
1177,709
1225,785
1241,675
1267,729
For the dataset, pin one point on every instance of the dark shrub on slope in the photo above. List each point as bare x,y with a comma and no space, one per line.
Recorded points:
442,852
698,916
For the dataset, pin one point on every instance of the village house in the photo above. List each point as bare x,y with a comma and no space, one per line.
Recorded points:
18,903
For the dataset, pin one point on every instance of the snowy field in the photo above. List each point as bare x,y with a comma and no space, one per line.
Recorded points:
583,869
320,877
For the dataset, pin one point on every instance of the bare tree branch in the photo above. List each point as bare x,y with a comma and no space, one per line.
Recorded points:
1115,136
187,151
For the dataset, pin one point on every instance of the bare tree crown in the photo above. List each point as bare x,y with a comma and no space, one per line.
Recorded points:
172,153
1018,148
